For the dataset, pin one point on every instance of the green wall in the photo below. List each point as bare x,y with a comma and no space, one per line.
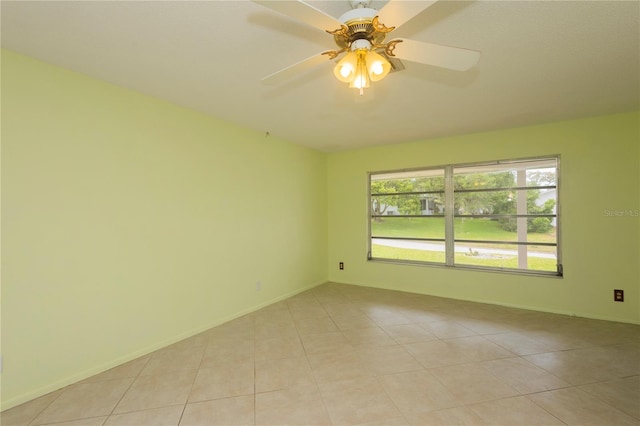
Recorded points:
600,168
129,223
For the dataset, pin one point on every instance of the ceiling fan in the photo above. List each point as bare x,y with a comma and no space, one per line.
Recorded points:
361,35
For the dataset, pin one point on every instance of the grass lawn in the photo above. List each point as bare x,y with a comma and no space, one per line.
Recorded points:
534,263
464,228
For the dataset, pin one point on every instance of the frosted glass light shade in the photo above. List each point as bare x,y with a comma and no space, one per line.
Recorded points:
361,78
377,66
360,67
346,68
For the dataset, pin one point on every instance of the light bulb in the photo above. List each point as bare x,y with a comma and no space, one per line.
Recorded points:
359,82
345,70
361,78
378,66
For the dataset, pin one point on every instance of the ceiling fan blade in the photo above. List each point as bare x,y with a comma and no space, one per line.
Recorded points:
397,12
297,68
304,12
454,58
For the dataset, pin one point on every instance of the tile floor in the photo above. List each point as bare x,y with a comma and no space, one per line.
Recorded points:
339,355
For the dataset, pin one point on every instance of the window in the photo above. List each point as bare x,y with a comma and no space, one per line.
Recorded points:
500,215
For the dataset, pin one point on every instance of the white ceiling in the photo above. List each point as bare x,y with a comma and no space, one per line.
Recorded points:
541,61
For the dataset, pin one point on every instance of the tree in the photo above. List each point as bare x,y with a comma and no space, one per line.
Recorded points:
401,193
484,202
384,194
504,202
537,224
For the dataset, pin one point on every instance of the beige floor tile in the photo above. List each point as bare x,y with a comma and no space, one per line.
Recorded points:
458,416
576,407
233,378
599,333
305,311
168,360
436,353
514,411
275,330
624,356
240,328
23,414
357,401
331,367
268,316
346,310
368,336
523,376
315,325
84,400
623,394
408,333
471,383
283,373
446,329
485,326
160,390
393,421
304,298
417,392
384,317
227,338
325,343
331,301
218,353
387,359
426,315
540,321
577,366
93,421
354,321
166,416
287,347
558,339
519,343
228,411
289,407
477,348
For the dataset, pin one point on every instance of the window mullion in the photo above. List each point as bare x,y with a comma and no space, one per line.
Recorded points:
521,227
448,215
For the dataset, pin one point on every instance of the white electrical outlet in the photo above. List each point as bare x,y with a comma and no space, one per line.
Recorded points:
258,285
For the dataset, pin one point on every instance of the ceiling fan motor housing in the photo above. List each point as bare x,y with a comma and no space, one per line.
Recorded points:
360,27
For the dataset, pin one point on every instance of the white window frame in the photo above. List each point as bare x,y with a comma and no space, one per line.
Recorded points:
450,215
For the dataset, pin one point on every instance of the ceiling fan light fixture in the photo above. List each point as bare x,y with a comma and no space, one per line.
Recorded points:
346,68
360,67
377,65
361,77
